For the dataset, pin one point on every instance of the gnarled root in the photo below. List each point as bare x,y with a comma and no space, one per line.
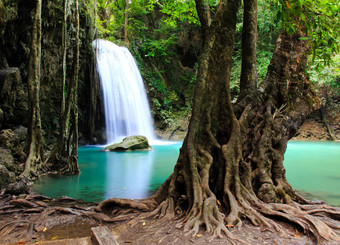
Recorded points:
165,210
322,229
209,216
142,205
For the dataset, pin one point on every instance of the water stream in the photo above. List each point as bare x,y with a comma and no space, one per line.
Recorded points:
126,105
312,168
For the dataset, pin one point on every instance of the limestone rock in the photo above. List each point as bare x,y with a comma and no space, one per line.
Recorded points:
11,141
5,176
21,132
19,187
8,138
131,143
6,158
13,98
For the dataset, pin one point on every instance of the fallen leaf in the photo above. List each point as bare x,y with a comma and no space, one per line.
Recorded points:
53,238
288,5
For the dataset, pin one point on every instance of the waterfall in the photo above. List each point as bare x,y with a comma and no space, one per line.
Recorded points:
126,105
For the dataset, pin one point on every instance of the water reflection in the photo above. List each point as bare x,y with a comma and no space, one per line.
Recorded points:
113,174
128,175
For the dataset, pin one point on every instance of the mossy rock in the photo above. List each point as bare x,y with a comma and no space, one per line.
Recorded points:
5,176
131,143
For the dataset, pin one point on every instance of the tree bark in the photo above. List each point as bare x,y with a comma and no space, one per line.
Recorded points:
73,164
64,154
64,71
249,39
34,136
200,8
126,21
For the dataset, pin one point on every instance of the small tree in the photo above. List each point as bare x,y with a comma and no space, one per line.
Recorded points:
34,136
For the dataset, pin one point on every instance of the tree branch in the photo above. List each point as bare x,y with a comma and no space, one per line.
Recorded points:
202,17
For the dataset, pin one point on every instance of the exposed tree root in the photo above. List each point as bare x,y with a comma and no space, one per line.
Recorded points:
142,205
311,225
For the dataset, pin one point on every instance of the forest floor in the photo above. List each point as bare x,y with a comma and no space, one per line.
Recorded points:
33,219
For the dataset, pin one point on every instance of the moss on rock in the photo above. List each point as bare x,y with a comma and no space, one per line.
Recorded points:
131,143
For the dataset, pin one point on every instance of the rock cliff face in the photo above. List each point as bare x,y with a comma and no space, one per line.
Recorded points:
15,37
16,16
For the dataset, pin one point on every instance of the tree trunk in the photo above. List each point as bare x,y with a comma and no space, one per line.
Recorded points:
249,39
64,71
34,136
64,154
126,19
73,164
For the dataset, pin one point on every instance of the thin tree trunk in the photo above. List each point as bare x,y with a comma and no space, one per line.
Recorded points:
34,138
64,154
93,82
208,10
200,8
95,19
64,71
71,166
126,19
249,39
74,168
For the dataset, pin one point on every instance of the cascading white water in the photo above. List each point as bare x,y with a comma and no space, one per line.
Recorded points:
126,105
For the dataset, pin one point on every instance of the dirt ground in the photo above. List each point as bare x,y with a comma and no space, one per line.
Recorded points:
314,127
56,219
35,219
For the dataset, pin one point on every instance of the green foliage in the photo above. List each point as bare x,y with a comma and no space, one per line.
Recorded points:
163,100
160,44
328,76
176,11
320,20
268,31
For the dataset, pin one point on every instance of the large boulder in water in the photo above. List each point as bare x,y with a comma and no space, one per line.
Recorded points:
131,143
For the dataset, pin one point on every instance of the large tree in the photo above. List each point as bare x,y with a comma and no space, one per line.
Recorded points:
231,162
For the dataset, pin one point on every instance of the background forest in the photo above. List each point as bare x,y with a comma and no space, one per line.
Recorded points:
165,39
